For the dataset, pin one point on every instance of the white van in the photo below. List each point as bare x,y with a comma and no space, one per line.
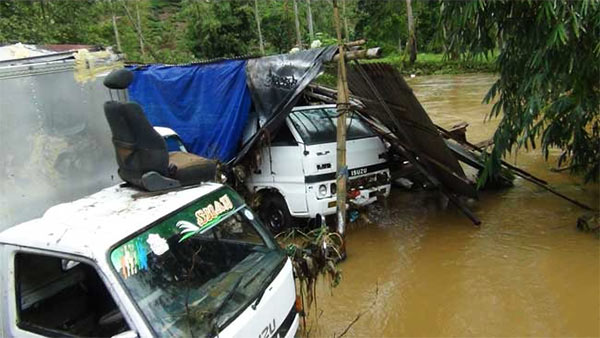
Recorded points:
297,173
191,262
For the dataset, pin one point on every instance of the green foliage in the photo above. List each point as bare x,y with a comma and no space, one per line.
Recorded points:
221,28
432,63
382,23
549,64
48,22
177,31
278,27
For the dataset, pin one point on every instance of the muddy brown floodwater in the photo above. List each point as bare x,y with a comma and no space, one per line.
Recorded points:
420,270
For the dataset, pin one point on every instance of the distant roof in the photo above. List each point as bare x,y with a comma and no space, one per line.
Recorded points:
66,47
20,54
19,51
90,226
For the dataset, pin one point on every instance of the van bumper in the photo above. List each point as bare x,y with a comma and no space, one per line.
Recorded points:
327,206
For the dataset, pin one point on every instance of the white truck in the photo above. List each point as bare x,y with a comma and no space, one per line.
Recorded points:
191,262
297,173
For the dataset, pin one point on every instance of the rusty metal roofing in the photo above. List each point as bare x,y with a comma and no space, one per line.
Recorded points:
375,83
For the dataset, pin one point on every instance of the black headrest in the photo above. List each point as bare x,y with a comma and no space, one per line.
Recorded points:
119,79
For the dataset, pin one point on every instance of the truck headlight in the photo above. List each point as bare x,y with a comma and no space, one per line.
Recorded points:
322,190
333,188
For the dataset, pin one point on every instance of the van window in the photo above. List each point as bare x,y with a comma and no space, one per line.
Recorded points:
59,297
319,125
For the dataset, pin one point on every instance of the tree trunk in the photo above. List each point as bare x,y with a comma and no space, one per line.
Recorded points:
411,44
297,20
115,29
311,32
260,37
139,27
346,32
399,45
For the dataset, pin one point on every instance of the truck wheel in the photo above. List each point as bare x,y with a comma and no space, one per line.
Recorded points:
274,213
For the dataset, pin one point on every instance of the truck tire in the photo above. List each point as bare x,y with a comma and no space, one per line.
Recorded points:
274,213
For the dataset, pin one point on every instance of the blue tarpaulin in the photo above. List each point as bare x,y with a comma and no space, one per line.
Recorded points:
206,104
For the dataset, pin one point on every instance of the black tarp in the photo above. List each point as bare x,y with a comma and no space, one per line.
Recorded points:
276,83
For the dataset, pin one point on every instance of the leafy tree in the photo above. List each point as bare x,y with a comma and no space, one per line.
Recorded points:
49,22
382,23
222,28
278,23
548,88
427,15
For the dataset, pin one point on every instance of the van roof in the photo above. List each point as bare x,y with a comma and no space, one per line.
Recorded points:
91,225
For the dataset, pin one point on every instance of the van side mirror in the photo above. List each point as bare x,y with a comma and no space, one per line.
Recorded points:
126,334
305,152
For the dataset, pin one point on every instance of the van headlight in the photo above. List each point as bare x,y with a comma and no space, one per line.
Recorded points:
322,190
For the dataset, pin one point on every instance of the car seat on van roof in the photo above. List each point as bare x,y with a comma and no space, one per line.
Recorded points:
141,152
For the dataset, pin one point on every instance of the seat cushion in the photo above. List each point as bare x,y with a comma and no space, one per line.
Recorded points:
192,169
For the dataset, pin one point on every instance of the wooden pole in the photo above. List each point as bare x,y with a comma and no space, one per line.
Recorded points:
260,37
343,106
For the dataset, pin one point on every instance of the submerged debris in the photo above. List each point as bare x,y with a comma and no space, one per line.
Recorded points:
313,253
589,222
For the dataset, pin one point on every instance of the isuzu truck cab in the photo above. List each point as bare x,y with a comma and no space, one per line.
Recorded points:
191,262
297,173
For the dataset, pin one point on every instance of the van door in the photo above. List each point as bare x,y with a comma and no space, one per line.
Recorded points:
287,169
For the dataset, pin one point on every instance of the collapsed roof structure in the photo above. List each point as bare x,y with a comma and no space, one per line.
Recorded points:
221,110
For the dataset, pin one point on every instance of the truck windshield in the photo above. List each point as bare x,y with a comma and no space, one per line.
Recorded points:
195,271
319,125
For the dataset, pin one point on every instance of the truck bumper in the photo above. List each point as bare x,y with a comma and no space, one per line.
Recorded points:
327,206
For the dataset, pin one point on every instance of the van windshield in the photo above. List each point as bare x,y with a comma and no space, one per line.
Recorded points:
319,125
192,273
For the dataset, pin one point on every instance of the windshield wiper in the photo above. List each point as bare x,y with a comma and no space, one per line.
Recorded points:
221,306
266,282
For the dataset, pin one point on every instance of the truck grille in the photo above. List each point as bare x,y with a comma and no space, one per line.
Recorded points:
370,181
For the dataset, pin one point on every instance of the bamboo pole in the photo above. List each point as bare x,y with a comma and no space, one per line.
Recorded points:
343,106
371,53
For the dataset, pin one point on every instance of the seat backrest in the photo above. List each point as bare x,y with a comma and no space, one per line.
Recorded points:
139,148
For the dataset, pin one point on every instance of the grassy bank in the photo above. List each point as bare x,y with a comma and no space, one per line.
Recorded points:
426,64
435,64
